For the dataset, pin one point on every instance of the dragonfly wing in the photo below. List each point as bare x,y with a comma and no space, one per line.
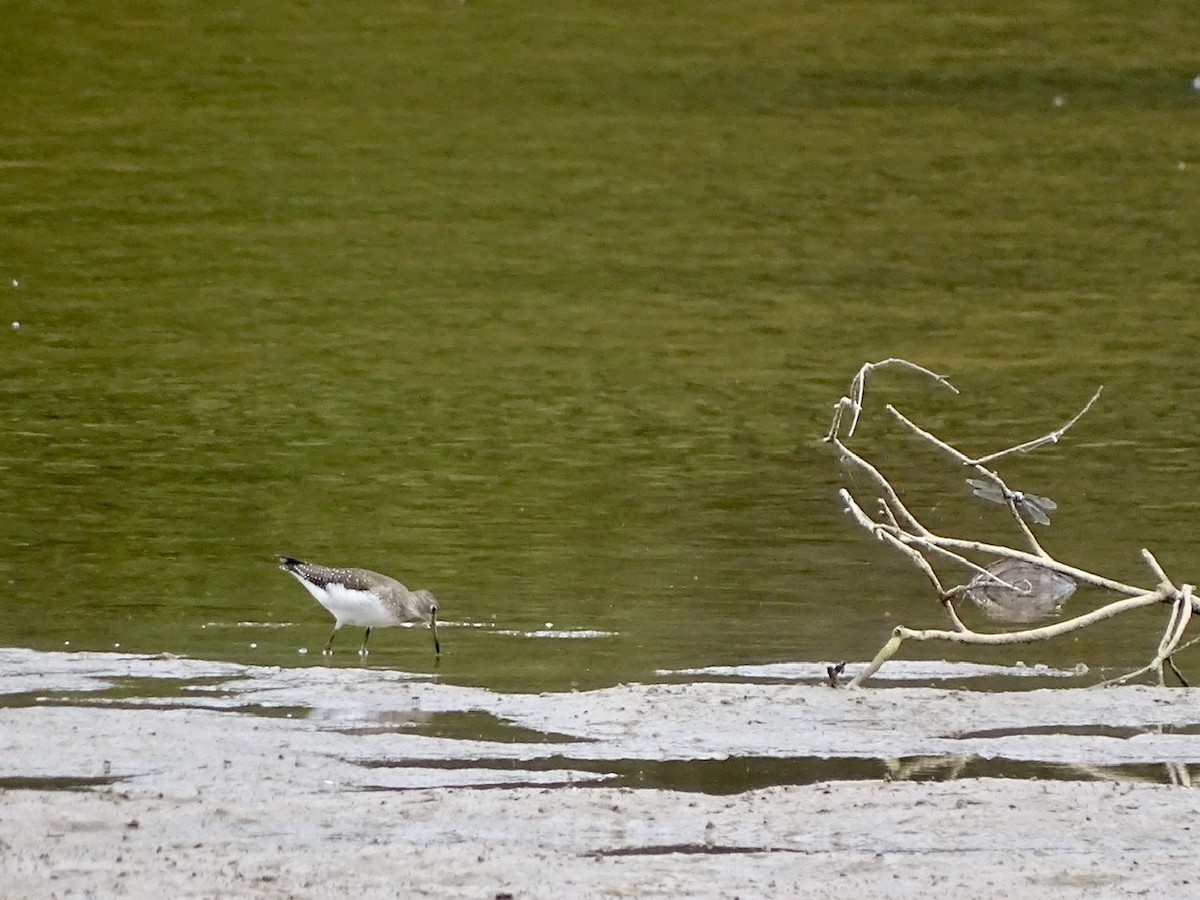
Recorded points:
1035,513
985,490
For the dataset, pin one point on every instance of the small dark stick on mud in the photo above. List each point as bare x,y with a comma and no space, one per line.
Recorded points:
833,672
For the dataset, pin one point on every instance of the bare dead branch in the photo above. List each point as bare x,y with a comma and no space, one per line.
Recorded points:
1158,571
853,401
991,476
1052,438
900,528
891,497
946,547
892,533
1181,613
900,634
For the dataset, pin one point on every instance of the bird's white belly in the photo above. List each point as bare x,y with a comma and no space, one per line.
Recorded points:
358,608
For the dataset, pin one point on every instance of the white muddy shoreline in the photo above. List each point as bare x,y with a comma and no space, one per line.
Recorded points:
216,792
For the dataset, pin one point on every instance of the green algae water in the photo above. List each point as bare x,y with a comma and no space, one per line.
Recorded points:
546,310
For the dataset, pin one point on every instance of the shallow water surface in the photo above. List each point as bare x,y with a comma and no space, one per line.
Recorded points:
546,311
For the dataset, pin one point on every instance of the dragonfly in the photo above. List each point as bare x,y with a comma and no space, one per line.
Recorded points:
1036,509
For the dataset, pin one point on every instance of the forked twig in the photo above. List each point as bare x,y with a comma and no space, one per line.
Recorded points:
1051,438
991,476
891,499
853,401
1181,613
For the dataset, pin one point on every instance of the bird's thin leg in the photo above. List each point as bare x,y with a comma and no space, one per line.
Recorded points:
362,650
437,647
328,651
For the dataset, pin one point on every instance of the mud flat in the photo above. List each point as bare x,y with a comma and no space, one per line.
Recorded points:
143,776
